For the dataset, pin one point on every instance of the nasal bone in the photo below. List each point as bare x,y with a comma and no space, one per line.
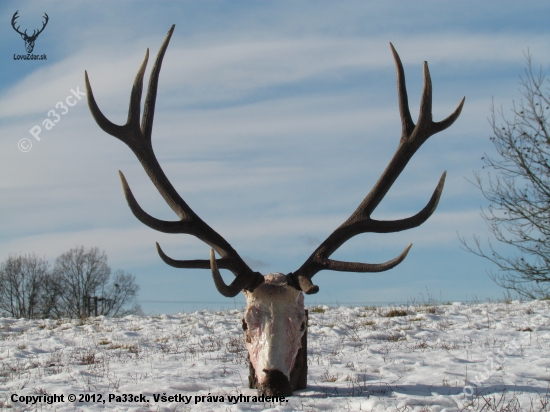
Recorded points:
275,350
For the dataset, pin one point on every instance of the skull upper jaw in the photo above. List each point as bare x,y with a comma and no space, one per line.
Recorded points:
274,324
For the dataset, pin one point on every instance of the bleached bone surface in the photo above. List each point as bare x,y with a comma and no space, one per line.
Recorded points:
275,320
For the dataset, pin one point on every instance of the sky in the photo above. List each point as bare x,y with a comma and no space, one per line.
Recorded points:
273,121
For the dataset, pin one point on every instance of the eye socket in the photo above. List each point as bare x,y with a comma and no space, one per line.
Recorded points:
303,326
245,326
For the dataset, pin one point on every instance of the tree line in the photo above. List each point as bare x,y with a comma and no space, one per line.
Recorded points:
30,289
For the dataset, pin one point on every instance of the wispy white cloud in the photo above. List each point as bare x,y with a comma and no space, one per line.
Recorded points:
231,71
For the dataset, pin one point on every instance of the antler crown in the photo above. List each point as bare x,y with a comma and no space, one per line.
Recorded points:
138,138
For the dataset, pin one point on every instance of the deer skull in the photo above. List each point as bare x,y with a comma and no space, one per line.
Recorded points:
274,323
275,318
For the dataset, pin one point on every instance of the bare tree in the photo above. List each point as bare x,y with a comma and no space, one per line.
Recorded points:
519,191
50,302
80,273
21,281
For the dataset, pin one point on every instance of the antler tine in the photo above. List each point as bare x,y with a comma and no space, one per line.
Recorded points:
360,221
367,267
228,291
182,264
406,119
105,124
129,132
425,114
231,290
150,99
134,108
161,225
390,226
448,121
138,138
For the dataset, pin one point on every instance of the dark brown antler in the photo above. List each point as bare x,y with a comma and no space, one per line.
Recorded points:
139,140
412,138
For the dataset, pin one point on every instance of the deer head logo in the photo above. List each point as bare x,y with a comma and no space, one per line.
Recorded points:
29,40
275,319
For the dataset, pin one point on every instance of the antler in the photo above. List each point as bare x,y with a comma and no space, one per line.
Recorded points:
13,19
139,140
413,136
34,33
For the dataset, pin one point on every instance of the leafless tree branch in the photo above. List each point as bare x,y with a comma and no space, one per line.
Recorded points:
517,185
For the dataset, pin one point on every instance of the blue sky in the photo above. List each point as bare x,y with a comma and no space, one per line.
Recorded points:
273,121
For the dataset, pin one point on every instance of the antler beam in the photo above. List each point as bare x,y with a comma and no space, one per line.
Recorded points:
138,138
413,136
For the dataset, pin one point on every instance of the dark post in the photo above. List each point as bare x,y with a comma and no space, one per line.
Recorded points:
102,300
95,305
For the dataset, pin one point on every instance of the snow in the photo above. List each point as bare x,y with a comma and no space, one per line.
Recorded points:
359,359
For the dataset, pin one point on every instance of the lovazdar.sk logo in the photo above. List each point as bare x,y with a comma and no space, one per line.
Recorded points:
29,39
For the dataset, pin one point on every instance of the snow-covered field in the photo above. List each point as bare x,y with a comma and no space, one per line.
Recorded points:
359,359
